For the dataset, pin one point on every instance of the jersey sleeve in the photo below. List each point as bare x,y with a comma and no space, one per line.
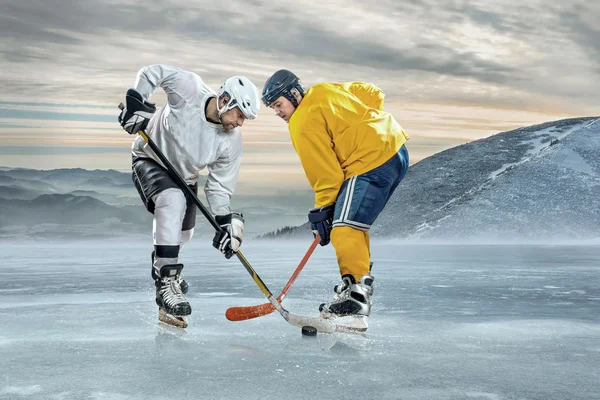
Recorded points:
369,94
222,178
179,85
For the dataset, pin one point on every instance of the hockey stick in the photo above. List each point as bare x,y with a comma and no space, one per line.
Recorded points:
321,324
249,312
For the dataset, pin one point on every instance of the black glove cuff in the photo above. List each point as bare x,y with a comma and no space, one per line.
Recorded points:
136,103
223,219
226,219
322,213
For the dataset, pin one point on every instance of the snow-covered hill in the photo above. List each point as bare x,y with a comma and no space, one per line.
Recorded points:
539,182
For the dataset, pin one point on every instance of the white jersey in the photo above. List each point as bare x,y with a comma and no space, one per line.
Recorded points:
187,139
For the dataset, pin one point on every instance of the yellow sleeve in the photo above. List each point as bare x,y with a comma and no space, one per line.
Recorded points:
320,164
370,95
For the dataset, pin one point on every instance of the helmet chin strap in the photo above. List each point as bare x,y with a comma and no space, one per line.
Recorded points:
221,111
226,107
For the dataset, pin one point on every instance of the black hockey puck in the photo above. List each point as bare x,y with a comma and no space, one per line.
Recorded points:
309,331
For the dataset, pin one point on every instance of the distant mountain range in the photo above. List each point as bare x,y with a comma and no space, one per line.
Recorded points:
65,208
77,203
539,182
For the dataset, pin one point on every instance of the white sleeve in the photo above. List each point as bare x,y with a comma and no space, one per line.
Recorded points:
178,84
222,178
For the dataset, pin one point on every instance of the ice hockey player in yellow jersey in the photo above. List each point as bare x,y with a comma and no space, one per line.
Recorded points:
354,157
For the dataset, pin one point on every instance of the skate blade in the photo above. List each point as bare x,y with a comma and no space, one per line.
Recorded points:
164,317
359,323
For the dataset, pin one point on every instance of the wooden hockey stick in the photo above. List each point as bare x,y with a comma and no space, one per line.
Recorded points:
249,312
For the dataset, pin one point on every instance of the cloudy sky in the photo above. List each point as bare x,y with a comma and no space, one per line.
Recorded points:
453,71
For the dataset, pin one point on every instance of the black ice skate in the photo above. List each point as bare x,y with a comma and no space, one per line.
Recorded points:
173,306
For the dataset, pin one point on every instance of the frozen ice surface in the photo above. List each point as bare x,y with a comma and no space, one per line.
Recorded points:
78,321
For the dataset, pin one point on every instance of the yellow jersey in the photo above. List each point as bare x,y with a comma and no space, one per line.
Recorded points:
340,130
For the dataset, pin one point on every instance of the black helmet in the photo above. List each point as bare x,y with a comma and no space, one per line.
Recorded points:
279,84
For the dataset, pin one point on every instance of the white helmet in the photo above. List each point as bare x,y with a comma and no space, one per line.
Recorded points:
243,94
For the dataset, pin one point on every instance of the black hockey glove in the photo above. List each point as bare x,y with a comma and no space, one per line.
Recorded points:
321,221
137,112
229,238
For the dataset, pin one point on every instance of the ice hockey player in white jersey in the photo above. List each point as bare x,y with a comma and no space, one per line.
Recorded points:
196,129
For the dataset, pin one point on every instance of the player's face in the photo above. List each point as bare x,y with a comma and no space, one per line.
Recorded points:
283,108
232,119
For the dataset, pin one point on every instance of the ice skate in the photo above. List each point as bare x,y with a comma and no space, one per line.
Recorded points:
350,299
182,282
173,306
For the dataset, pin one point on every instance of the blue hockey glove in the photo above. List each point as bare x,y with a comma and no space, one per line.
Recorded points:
321,221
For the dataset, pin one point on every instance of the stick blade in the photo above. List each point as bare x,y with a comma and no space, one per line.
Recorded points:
330,325
249,312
